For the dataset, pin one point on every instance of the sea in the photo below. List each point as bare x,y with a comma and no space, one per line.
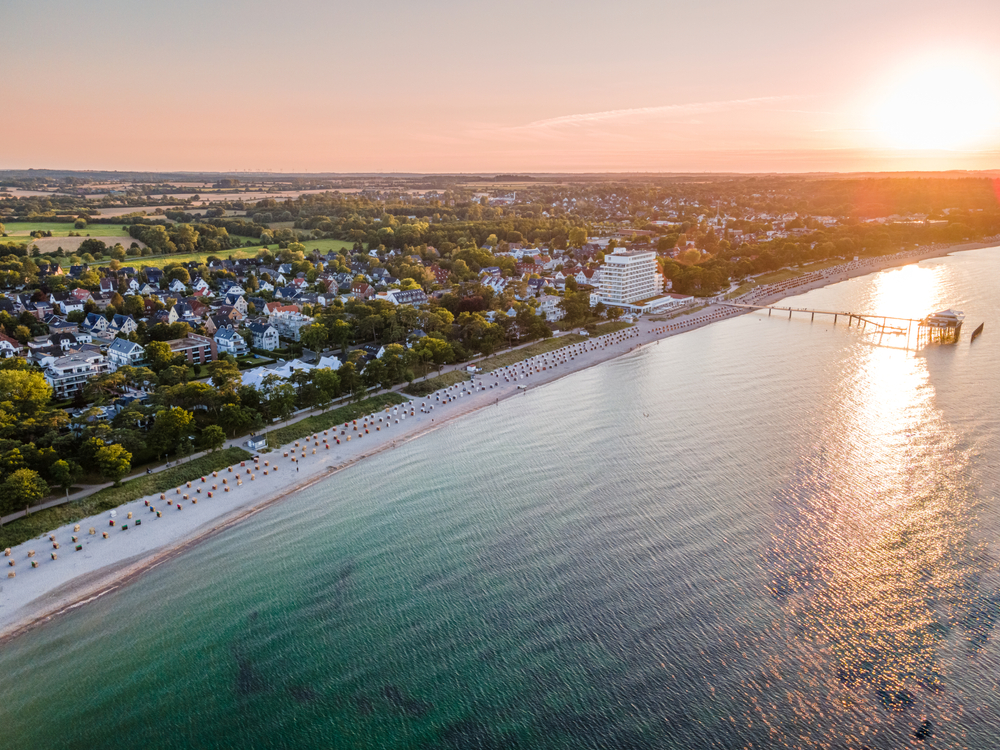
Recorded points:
771,532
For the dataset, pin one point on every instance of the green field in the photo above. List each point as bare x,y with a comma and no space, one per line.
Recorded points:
44,521
21,230
159,261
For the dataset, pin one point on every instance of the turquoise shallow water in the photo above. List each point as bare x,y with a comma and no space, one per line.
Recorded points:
766,533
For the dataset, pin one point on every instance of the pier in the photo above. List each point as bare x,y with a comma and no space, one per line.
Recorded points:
943,327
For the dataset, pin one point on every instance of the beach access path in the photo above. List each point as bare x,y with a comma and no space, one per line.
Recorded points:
101,565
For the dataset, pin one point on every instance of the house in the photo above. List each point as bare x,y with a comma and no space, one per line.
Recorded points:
415,297
160,317
9,347
265,336
237,301
69,374
123,352
229,313
273,307
81,295
362,291
94,322
60,325
123,325
153,275
67,303
229,341
177,286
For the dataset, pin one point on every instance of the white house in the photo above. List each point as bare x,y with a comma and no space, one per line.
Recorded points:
265,336
229,341
123,352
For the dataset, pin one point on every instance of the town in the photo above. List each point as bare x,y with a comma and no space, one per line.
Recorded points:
152,322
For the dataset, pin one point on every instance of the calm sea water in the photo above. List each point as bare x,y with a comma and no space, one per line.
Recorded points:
767,533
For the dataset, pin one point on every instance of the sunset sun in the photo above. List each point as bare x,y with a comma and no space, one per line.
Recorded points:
941,105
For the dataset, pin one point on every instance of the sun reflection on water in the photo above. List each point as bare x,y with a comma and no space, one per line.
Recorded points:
875,559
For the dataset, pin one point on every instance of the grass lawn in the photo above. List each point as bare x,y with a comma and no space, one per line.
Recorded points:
330,419
44,521
324,246
22,229
741,289
539,347
603,328
425,387
776,276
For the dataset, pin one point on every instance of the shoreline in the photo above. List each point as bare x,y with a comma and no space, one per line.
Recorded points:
36,596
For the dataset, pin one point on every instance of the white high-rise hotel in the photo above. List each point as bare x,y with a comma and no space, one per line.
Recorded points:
629,276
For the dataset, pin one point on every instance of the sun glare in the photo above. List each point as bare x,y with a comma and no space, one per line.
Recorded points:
941,105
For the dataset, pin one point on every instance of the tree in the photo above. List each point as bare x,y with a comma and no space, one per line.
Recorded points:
22,488
64,473
279,396
236,419
315,337
172,426
26,392
114,462
327,381
225,375
213,438
614,313
159,355
173,375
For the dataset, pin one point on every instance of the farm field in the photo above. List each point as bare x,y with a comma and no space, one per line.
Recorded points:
159,261
71,244
20,231
106,213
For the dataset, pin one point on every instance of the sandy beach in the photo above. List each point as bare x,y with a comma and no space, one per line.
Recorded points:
50,580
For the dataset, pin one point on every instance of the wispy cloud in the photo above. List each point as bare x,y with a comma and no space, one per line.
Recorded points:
677,110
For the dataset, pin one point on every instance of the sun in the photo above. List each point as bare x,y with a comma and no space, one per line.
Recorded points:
943,104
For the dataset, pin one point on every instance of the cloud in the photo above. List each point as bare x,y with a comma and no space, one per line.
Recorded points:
681,110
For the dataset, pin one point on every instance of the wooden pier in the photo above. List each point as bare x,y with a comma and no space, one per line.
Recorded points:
881,325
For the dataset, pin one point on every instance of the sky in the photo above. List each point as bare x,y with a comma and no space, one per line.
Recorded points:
518,86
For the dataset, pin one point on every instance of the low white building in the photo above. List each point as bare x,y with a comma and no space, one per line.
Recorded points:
288,323
69,374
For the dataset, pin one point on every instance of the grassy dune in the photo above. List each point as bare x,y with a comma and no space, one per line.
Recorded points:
425,387
44,521
328,420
